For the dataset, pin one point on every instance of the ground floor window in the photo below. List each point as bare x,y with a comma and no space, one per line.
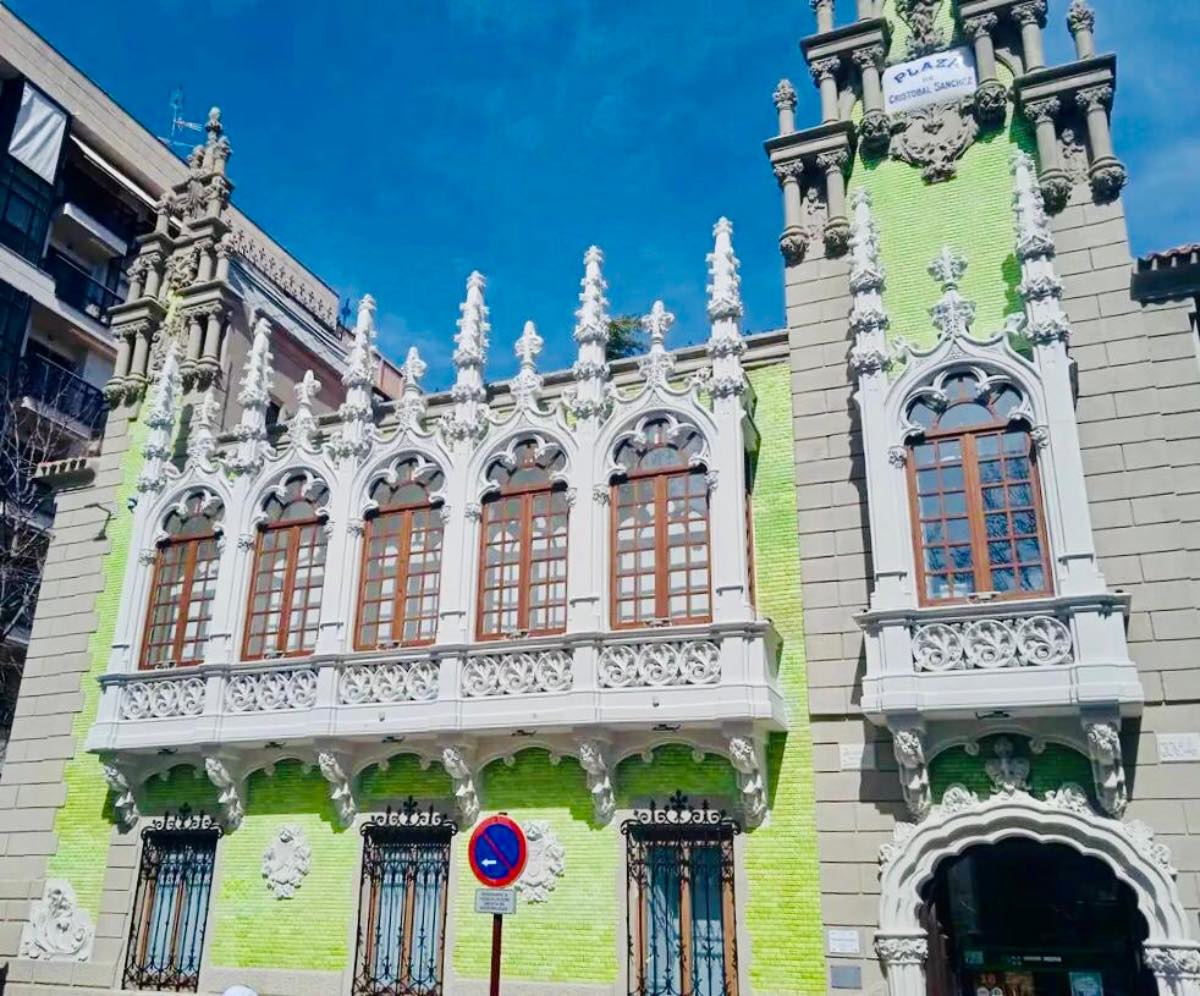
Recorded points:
680,896
402,904
170,909
1022,918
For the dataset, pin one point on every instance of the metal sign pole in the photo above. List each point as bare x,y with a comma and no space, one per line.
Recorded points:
497,932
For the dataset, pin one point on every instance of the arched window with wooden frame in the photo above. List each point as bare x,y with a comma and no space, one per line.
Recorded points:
523,543
661,552
974,493
401,572
184,584
289,572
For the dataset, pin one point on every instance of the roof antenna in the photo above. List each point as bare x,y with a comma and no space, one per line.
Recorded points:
178,124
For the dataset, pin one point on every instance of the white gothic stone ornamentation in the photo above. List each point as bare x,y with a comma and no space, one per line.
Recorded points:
908,950
526,386
1142,836
1035,641
957,799
747,762
163,699
253,448
953,314
1108,769
458,767
545,864
651,665
368,684
657,365
124,802
286,861
356,432
410,409
1173,963
159,416
269,691
302,429
517,674
468,418
591,396
593,757
725,310
935,138
1008,774
909,750
341,789
1070,797
901,832
202,431
58,929
230,793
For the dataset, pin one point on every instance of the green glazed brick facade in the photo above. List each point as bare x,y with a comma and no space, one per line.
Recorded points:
1051,767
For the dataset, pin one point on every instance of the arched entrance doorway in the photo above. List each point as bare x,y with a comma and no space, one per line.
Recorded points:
960,822
1023,918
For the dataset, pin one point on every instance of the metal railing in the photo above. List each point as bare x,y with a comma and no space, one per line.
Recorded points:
60,390
78,288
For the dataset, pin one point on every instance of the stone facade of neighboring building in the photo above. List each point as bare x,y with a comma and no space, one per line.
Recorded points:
996,432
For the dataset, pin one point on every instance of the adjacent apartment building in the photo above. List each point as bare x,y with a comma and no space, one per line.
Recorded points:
80,185
852,657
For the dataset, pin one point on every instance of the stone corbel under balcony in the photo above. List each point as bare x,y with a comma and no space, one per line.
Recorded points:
598,696
1085,86
1033,657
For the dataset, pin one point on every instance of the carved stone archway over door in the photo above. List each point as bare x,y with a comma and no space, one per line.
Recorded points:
1064,816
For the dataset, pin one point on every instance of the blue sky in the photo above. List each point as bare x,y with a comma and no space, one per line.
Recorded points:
395,145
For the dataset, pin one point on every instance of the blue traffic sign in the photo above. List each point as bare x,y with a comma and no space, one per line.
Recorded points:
497,851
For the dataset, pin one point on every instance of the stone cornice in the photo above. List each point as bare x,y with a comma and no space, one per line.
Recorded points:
837,136
1066,80
842,41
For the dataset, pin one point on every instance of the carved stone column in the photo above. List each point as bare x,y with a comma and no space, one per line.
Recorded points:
154,273
135,274
837,228
824,74
1107,174
903,958
195,342
1176,968
991,98
141,352
1081,20
210,363
785,105
206,263
1031,16
875,128
223,250
791,242
824,11
1053,179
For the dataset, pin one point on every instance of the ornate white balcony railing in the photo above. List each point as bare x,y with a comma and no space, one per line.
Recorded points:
703,676
1037,655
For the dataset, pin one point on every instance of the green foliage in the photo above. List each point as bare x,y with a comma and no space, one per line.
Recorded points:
625,337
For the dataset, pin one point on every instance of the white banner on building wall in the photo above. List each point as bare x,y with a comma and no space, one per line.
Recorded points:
38,133
932,79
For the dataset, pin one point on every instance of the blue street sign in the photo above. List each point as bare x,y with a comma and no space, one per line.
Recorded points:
497,852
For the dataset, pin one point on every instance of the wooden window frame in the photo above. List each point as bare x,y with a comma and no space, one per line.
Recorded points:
976,514
278,652
527,493
181,616
662,616
406,512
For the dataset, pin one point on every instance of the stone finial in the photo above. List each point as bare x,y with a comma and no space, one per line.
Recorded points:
410,412
1044,321
527,385
254,397
725,343
1034,237
1080,17
159,416
202,430
657,365
356,430
468,419
302,429
784,95
953,314
724,288
868,320
591,394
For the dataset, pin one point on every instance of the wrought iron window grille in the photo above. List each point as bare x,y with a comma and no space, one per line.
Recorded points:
403,895
170,909
682,920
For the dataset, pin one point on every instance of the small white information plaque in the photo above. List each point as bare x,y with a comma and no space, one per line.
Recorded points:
1175,747
496,901
932,79
857,757
842,941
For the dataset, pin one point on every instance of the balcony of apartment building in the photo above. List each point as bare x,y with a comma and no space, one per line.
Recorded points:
50,386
